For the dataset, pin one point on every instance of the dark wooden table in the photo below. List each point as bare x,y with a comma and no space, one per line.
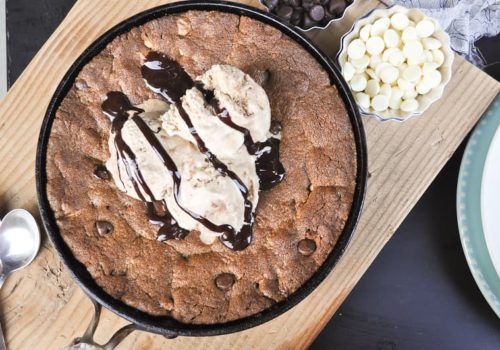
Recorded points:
418,294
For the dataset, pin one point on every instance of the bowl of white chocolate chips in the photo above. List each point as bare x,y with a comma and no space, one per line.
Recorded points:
396,61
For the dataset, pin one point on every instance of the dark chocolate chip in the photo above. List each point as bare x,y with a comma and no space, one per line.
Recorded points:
103,227
317,13
225,281
307,4
118,272
294,3
102,173
261,76
173,336
337,7
328,17
275,127
285,12
307,22
271,4
324,2
297,16
306,247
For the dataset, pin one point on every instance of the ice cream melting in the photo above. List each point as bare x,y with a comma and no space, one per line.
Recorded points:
201,154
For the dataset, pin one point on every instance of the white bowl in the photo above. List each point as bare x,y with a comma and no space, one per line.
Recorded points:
446,68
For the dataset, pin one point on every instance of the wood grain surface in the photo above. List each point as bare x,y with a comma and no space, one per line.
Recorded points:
42,308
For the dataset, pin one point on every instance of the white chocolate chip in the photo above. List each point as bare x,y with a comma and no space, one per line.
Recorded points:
386,90
394,103
363,100
425,28
413,49
364,33
409,105
422,87
380,67
374,61
371,73
360,70
391,38
409,34
412,73
431,43
361,63
428,56
411,93
402,68
396,92
438,57
356,49
399,21
358,82
372,88
432,78
380,103
396,97
394,56
405,85
389,74
380,26
375,45
415,61
348,71
429,66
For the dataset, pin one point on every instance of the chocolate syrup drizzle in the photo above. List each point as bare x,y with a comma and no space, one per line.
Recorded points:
269,168
119,109
167,78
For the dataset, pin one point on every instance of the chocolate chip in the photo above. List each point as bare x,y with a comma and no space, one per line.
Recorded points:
308,22
102,173
306,247
275,127
324,2
307,4
294,3
225,281
337,7
297,16
271,4
317,13
261,77
173,336
285,12
118,272
103,227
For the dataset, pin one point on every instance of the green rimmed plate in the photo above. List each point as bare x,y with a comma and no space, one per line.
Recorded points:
475,205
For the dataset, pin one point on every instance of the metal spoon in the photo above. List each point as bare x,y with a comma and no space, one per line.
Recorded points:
19,244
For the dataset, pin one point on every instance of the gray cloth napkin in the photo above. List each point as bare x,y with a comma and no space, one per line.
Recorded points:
466,21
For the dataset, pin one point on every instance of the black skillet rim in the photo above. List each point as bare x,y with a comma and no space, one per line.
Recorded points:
164,324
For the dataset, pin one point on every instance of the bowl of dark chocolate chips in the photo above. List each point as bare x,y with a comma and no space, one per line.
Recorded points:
308,14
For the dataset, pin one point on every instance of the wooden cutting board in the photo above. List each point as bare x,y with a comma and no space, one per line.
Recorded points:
42,308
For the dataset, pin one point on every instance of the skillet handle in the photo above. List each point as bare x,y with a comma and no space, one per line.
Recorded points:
86,342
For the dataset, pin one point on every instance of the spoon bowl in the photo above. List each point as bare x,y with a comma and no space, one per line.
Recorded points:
19,240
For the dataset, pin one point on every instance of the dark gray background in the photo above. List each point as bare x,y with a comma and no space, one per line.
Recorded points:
419,292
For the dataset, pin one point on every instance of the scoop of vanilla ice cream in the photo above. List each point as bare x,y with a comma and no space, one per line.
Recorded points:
203,189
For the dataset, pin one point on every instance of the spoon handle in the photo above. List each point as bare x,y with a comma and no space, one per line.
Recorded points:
3,276
2,341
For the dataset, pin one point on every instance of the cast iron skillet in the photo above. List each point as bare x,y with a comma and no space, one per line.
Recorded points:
163,324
